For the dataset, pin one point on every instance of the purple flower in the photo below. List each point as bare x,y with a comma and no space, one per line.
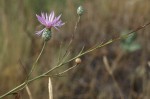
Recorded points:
49,21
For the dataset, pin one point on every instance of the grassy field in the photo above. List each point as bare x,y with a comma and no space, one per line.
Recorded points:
102,21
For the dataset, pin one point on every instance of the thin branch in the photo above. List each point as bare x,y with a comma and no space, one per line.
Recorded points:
33,67
88,51
72,37
66,70
29,92
50,90
23,67
107,66
59,53
61,64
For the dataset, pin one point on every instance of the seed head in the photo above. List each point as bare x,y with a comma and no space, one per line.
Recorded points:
78,60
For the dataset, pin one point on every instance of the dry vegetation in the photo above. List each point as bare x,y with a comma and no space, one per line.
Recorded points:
128,75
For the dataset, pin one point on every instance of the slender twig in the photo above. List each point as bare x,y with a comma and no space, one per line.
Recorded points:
50,90
76,26
29,92
61,73
107,66
66,70
11,91
64,59
59,53
33,67
53,76
22,86
90,50
82,49
72,37
79,55
23,67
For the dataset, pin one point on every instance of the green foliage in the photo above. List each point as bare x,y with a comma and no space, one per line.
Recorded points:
129,44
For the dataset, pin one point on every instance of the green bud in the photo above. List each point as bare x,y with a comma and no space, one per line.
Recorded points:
46,35
80,10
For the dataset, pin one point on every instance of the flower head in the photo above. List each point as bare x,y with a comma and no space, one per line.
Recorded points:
49,21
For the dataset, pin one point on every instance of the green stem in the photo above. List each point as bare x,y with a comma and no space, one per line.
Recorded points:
11,91
81,54
33,67
43,75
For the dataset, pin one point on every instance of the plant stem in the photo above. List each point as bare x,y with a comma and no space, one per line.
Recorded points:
61,64
33,67
26,82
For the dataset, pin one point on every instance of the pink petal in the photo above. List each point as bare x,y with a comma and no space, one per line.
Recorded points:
39,33
56,28
52,16
56,19
59,23
46,17
41,20
43,16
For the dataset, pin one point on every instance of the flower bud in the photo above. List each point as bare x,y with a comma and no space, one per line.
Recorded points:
46,35
78,60
80,10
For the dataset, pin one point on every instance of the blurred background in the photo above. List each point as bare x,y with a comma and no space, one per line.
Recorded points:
103,19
